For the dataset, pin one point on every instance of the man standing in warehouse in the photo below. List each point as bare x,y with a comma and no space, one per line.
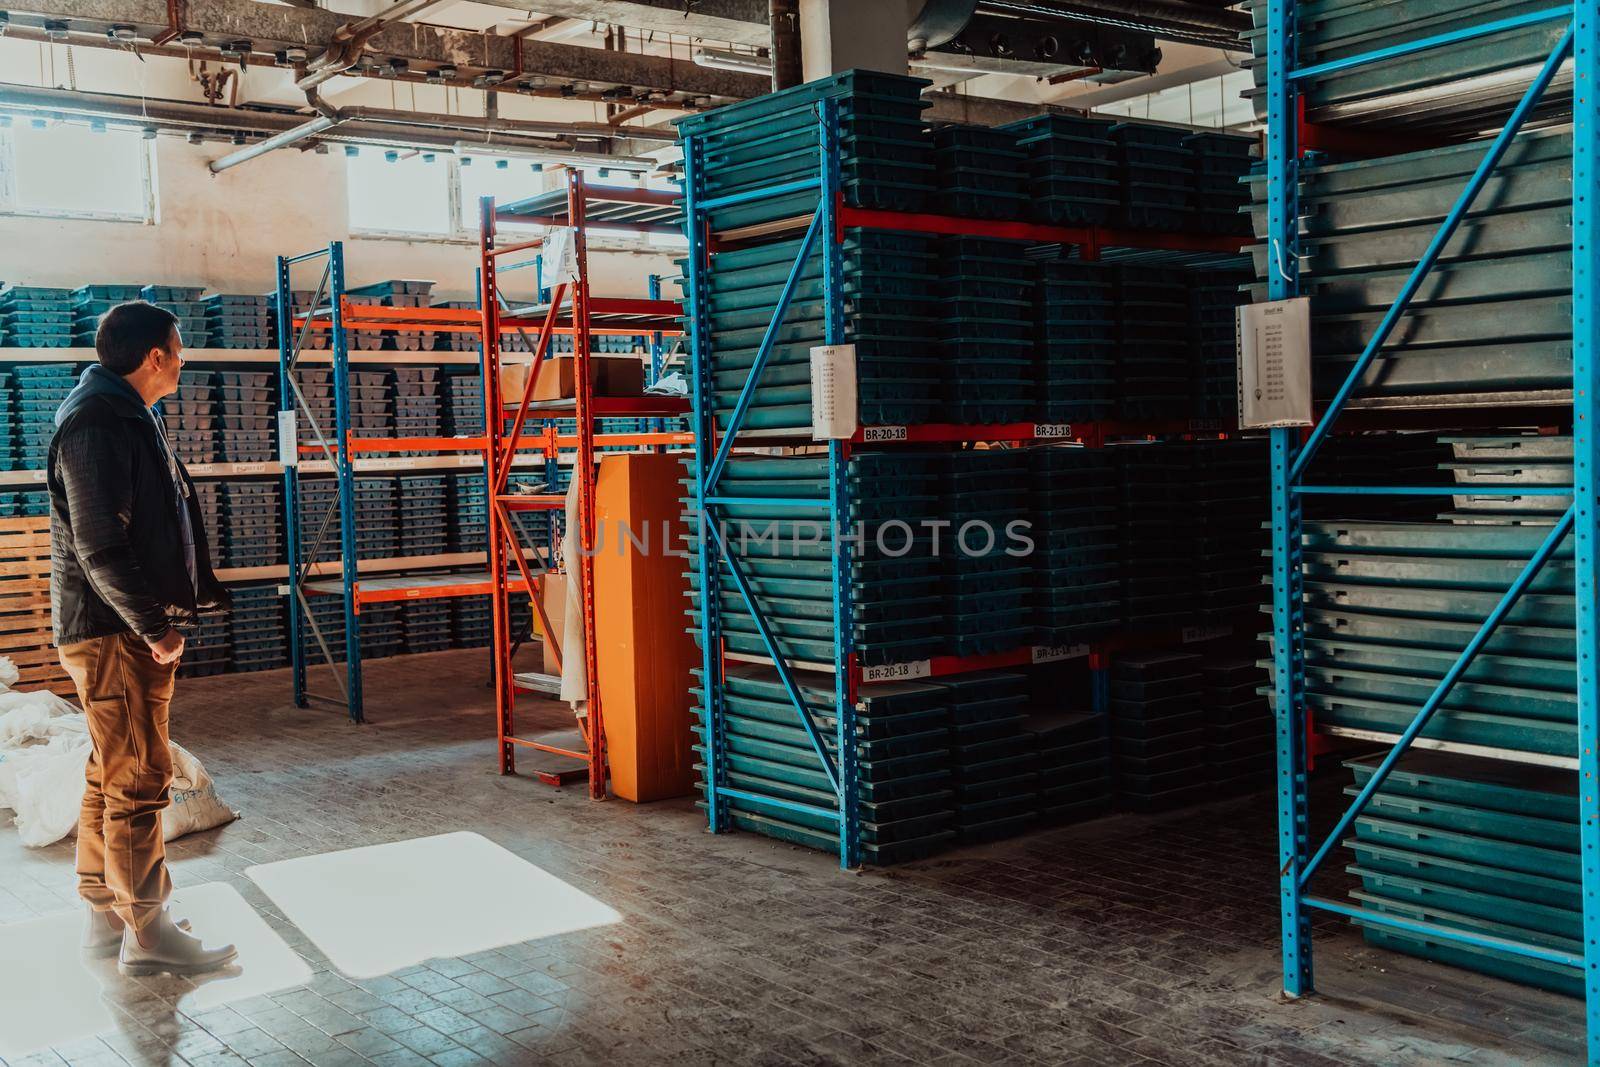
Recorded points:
128,558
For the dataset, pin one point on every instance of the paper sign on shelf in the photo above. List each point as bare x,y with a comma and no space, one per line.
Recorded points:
560,255
288,438
833,393
1274,345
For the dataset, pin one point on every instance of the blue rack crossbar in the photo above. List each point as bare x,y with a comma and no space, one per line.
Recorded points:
766,193
1439,40
1433,490
1446,933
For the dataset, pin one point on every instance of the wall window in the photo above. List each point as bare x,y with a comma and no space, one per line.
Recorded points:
79,171
507,180
1215,102
400,193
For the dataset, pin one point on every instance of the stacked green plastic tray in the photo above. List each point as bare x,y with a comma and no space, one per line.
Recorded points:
905,794
986,330
889,289
1159,584
1078,587
1071,171
994,760
1214,297
980,172
1155,376
1464,86
1073,754
1481,461
1158,730
1076,308
1389,606
1479,845
787,554
1493,317
1238,725
1155,172
988,574
1225,526
885,150
1221,161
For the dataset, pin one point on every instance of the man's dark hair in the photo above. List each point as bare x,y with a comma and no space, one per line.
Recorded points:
129,331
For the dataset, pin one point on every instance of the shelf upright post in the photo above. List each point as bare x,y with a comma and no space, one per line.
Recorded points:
705,445
583,405
1288,608
346,482
1586,454
494,431
657,350
288,353
839,510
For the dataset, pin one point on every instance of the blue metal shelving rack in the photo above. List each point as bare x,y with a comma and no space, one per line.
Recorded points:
827,225
1291,455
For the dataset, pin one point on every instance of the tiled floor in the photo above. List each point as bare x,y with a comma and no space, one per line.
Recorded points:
1128,940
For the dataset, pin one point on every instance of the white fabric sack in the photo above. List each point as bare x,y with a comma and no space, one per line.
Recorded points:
44,747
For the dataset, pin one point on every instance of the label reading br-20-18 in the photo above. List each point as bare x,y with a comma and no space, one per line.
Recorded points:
883,433
897,672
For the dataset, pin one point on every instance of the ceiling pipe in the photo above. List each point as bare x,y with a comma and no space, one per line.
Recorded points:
1169,20
299,133
350,40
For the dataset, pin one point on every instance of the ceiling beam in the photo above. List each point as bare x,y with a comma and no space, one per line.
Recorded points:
738,21
271,27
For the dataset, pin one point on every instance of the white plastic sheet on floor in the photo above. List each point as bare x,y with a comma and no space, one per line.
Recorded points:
44,745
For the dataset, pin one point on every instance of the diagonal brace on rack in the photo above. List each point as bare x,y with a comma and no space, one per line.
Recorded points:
763,353
1524,579
1447,229
771,643
513,437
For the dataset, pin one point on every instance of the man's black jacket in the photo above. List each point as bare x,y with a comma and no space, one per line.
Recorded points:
117,554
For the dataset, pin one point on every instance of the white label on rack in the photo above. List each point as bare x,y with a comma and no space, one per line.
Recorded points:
1191,634
897,672
1052,429
288,438
467,459
1053,653
1274,362
833,393
871,434
250,468
386,463
38,476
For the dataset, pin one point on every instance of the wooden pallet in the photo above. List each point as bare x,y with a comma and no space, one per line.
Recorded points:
25,604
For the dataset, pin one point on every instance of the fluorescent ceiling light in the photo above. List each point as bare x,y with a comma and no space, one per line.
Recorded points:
722,59
641,164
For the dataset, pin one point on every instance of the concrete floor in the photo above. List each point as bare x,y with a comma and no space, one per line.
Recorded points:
1130,940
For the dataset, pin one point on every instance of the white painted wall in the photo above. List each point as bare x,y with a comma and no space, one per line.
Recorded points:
223,231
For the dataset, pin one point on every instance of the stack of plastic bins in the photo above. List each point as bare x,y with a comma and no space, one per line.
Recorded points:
417,404
1475,844
1155,169
364,338
377,518
1493,316
327,612
1229,505
1221,160
471,618
191,417
1370,459
988,574
1158,583
426,625
885,152
240,320
35,503
208,497
255,522
90,302
1158,730
890,284
456,340
316,386
382,631
260,630
1154,375
992,755
299,305
8,446
1076,579
33,316
1214,296
1390,605
1464,86
1076,342
463,404
247,411
319,519
788,557
1072,176
469,519
399,293
986,309
40,389
184,302
207,648
902,750
1073,750
1239,726
424,515
371,405
980,171
1480,461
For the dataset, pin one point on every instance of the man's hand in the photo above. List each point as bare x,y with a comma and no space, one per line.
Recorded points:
168,648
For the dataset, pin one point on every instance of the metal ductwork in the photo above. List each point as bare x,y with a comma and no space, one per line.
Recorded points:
1170,20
